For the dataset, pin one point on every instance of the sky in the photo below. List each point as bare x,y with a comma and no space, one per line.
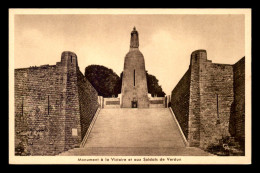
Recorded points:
166,41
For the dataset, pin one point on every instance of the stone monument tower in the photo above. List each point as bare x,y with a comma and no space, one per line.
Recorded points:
134,82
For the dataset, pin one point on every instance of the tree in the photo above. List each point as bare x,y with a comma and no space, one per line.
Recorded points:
104,80
108,83
153,86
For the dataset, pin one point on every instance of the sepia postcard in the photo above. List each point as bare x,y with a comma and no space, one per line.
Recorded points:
130,86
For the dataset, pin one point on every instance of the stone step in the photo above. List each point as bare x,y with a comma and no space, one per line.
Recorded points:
135,132
135,128
133,151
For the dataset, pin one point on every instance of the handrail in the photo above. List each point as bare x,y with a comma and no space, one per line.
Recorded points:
90,128
179,127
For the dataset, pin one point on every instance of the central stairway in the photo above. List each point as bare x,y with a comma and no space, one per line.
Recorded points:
133,132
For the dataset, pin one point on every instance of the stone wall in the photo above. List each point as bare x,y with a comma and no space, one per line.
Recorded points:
88,102
203,100
216,97
111,102
211,98
48,116
237,119
180,101
38,129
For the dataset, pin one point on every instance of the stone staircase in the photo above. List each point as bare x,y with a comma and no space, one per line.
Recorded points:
135,132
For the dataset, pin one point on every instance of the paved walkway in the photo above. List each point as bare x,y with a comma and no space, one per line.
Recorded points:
133,132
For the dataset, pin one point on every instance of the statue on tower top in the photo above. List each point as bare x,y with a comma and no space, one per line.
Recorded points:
134,43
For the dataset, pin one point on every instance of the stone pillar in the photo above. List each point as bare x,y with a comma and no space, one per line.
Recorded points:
134,82
70,101
197,57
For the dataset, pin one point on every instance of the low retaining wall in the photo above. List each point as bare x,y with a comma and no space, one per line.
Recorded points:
157,102
111,103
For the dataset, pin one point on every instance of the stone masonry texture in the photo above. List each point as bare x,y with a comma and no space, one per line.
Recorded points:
180,101
87,101
214,91
237,119
52,101
216,97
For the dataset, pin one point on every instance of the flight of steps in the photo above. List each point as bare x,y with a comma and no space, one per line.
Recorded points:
133,132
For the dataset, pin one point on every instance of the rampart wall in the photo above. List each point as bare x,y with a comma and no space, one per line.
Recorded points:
203,99
237,125
54,106
180,101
